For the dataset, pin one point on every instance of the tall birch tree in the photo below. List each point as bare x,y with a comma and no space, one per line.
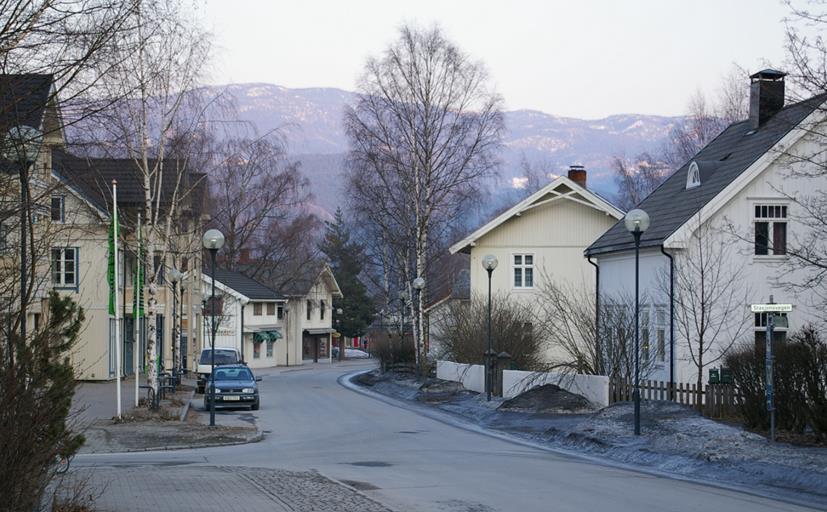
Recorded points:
424,136
155,73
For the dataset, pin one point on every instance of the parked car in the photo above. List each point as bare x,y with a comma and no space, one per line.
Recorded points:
223,355
235,386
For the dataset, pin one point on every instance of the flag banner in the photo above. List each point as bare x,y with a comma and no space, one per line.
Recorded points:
113,260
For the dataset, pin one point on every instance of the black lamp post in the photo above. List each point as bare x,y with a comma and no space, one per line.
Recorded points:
637,222
23,147
213,240
341,337
418,284
489,263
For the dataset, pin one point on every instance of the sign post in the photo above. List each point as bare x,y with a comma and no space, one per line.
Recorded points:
770,309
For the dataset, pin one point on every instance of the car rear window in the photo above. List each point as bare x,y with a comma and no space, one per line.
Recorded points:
233,374
221,357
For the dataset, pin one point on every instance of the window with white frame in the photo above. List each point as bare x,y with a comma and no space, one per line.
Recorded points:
645,331
770,222
64,267
523,271
779,332
280,312
661,323
58,209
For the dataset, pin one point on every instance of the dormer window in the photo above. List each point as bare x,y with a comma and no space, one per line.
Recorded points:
693,176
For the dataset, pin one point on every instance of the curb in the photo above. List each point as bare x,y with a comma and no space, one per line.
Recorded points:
254,438
186,407
461,422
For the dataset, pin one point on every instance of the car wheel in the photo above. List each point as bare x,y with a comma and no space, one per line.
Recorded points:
255,406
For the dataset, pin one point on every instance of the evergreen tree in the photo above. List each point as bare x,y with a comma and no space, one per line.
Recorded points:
346,258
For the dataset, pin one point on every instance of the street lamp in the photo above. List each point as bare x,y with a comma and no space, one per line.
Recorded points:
341,338
418,285
175,277
213,240
637,222
489,263
23,146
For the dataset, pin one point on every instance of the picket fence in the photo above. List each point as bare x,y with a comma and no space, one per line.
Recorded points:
717,400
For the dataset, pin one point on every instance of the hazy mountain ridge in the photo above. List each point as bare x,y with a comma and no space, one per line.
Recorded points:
312,121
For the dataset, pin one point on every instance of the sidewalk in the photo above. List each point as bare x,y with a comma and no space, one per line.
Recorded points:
96,400
142,429
207,488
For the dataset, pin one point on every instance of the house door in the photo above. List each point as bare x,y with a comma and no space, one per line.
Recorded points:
128,345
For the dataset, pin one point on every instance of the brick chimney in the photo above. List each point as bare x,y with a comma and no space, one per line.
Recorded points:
766,96
244,255
577,174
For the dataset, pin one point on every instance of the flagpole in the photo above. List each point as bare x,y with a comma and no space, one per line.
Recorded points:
118,361
136,314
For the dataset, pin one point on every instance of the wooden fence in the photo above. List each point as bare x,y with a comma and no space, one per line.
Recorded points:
718,400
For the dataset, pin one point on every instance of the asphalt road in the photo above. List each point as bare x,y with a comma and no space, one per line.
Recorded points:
413,463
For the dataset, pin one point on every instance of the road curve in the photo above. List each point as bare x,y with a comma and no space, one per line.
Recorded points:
413,463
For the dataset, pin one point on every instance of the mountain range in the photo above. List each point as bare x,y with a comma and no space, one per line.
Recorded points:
311,120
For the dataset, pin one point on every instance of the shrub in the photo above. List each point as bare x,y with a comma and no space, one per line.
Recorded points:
800,378
464,332
36,388
392,350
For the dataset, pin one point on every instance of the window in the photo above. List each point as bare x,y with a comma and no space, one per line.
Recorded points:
185,262
309,308
58,209
779,332
271,308
321,309
644,333
65,267
158,266
770,229
257,309
5,232
693,176
36,320
256,350
523,271
280,312
661,319
269,348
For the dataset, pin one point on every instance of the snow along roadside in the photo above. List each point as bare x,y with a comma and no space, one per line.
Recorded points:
629,457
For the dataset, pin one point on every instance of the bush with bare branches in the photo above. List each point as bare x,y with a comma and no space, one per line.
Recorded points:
514,329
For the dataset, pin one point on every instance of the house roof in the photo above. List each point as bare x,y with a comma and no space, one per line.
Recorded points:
23,99
242,284
92,178
720,162
302,279
561,188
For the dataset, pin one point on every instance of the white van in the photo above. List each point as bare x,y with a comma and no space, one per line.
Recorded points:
223,355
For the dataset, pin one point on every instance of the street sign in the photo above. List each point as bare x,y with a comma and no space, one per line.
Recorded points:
771,308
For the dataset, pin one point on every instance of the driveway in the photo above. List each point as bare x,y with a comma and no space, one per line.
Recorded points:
390,455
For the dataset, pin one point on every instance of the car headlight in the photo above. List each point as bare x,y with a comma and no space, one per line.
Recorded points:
217,390
248,390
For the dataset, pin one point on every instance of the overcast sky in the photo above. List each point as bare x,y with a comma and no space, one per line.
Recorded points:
580,58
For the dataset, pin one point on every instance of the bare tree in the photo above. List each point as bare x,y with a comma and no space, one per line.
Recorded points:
637,178
423,135
255,191
154,72
593,338
711,297
707,118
